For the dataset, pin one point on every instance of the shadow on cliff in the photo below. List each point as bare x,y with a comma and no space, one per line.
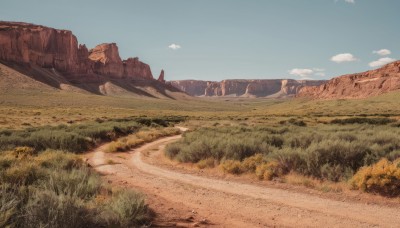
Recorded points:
95,84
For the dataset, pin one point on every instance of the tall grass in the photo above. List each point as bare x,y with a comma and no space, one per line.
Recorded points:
143,136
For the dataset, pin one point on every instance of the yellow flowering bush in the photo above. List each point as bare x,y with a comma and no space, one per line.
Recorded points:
382,177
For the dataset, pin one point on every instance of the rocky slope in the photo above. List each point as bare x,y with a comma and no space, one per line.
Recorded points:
54,57
360,85
244,88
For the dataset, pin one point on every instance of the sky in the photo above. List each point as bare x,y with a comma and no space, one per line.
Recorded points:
230,39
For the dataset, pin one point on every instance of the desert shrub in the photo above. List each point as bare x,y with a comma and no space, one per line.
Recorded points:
81,183
393,155
335,172
58,160
7,159
56,189
139,138
74,138
172,150
125,209
23,173
231,166
296,122
329,152
116,146
8,207
269,170
382,177
47,209
290,159
206,163
250,164
24,151
358,120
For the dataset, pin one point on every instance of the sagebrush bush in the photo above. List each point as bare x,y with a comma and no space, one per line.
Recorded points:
382,177
206,163
57,189
329,152
232,166
77,137
359,120
81,183
125,209
8,206
48,209
269,170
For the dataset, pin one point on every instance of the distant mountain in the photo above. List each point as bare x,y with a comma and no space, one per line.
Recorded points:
54,58
244,88
360,85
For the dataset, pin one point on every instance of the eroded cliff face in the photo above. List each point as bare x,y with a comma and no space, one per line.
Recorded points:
108,62
24,43
360,85
161,77
191,87
42,46
244,88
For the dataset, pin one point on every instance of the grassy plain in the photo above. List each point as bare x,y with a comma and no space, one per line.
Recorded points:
25,109
292,139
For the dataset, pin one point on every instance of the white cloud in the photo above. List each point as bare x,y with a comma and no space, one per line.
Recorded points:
345,57
382,52
301,72
174,46
381,62
307,73
348,1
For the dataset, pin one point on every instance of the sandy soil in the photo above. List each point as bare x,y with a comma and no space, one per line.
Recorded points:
187,200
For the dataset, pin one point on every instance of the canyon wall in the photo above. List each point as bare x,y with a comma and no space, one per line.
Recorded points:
244,87
360,85
24,43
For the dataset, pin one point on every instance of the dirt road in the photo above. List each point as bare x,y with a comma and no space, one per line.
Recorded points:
186,200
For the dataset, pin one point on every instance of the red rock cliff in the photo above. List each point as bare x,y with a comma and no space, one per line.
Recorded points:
108,62
25,43
43,46
247,88
360,85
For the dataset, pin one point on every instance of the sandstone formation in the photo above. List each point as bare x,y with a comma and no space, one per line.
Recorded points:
360,85
108,62
29,44
161,77
244,88
46,47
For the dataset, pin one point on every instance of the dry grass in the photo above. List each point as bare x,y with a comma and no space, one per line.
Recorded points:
139,138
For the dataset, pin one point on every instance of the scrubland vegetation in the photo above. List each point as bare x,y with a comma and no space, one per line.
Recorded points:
44,184
341,151
78,137
57,189
144,136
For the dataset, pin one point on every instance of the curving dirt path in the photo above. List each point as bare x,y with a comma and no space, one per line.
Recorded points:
186,200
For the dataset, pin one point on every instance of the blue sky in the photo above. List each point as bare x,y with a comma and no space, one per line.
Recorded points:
227,39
